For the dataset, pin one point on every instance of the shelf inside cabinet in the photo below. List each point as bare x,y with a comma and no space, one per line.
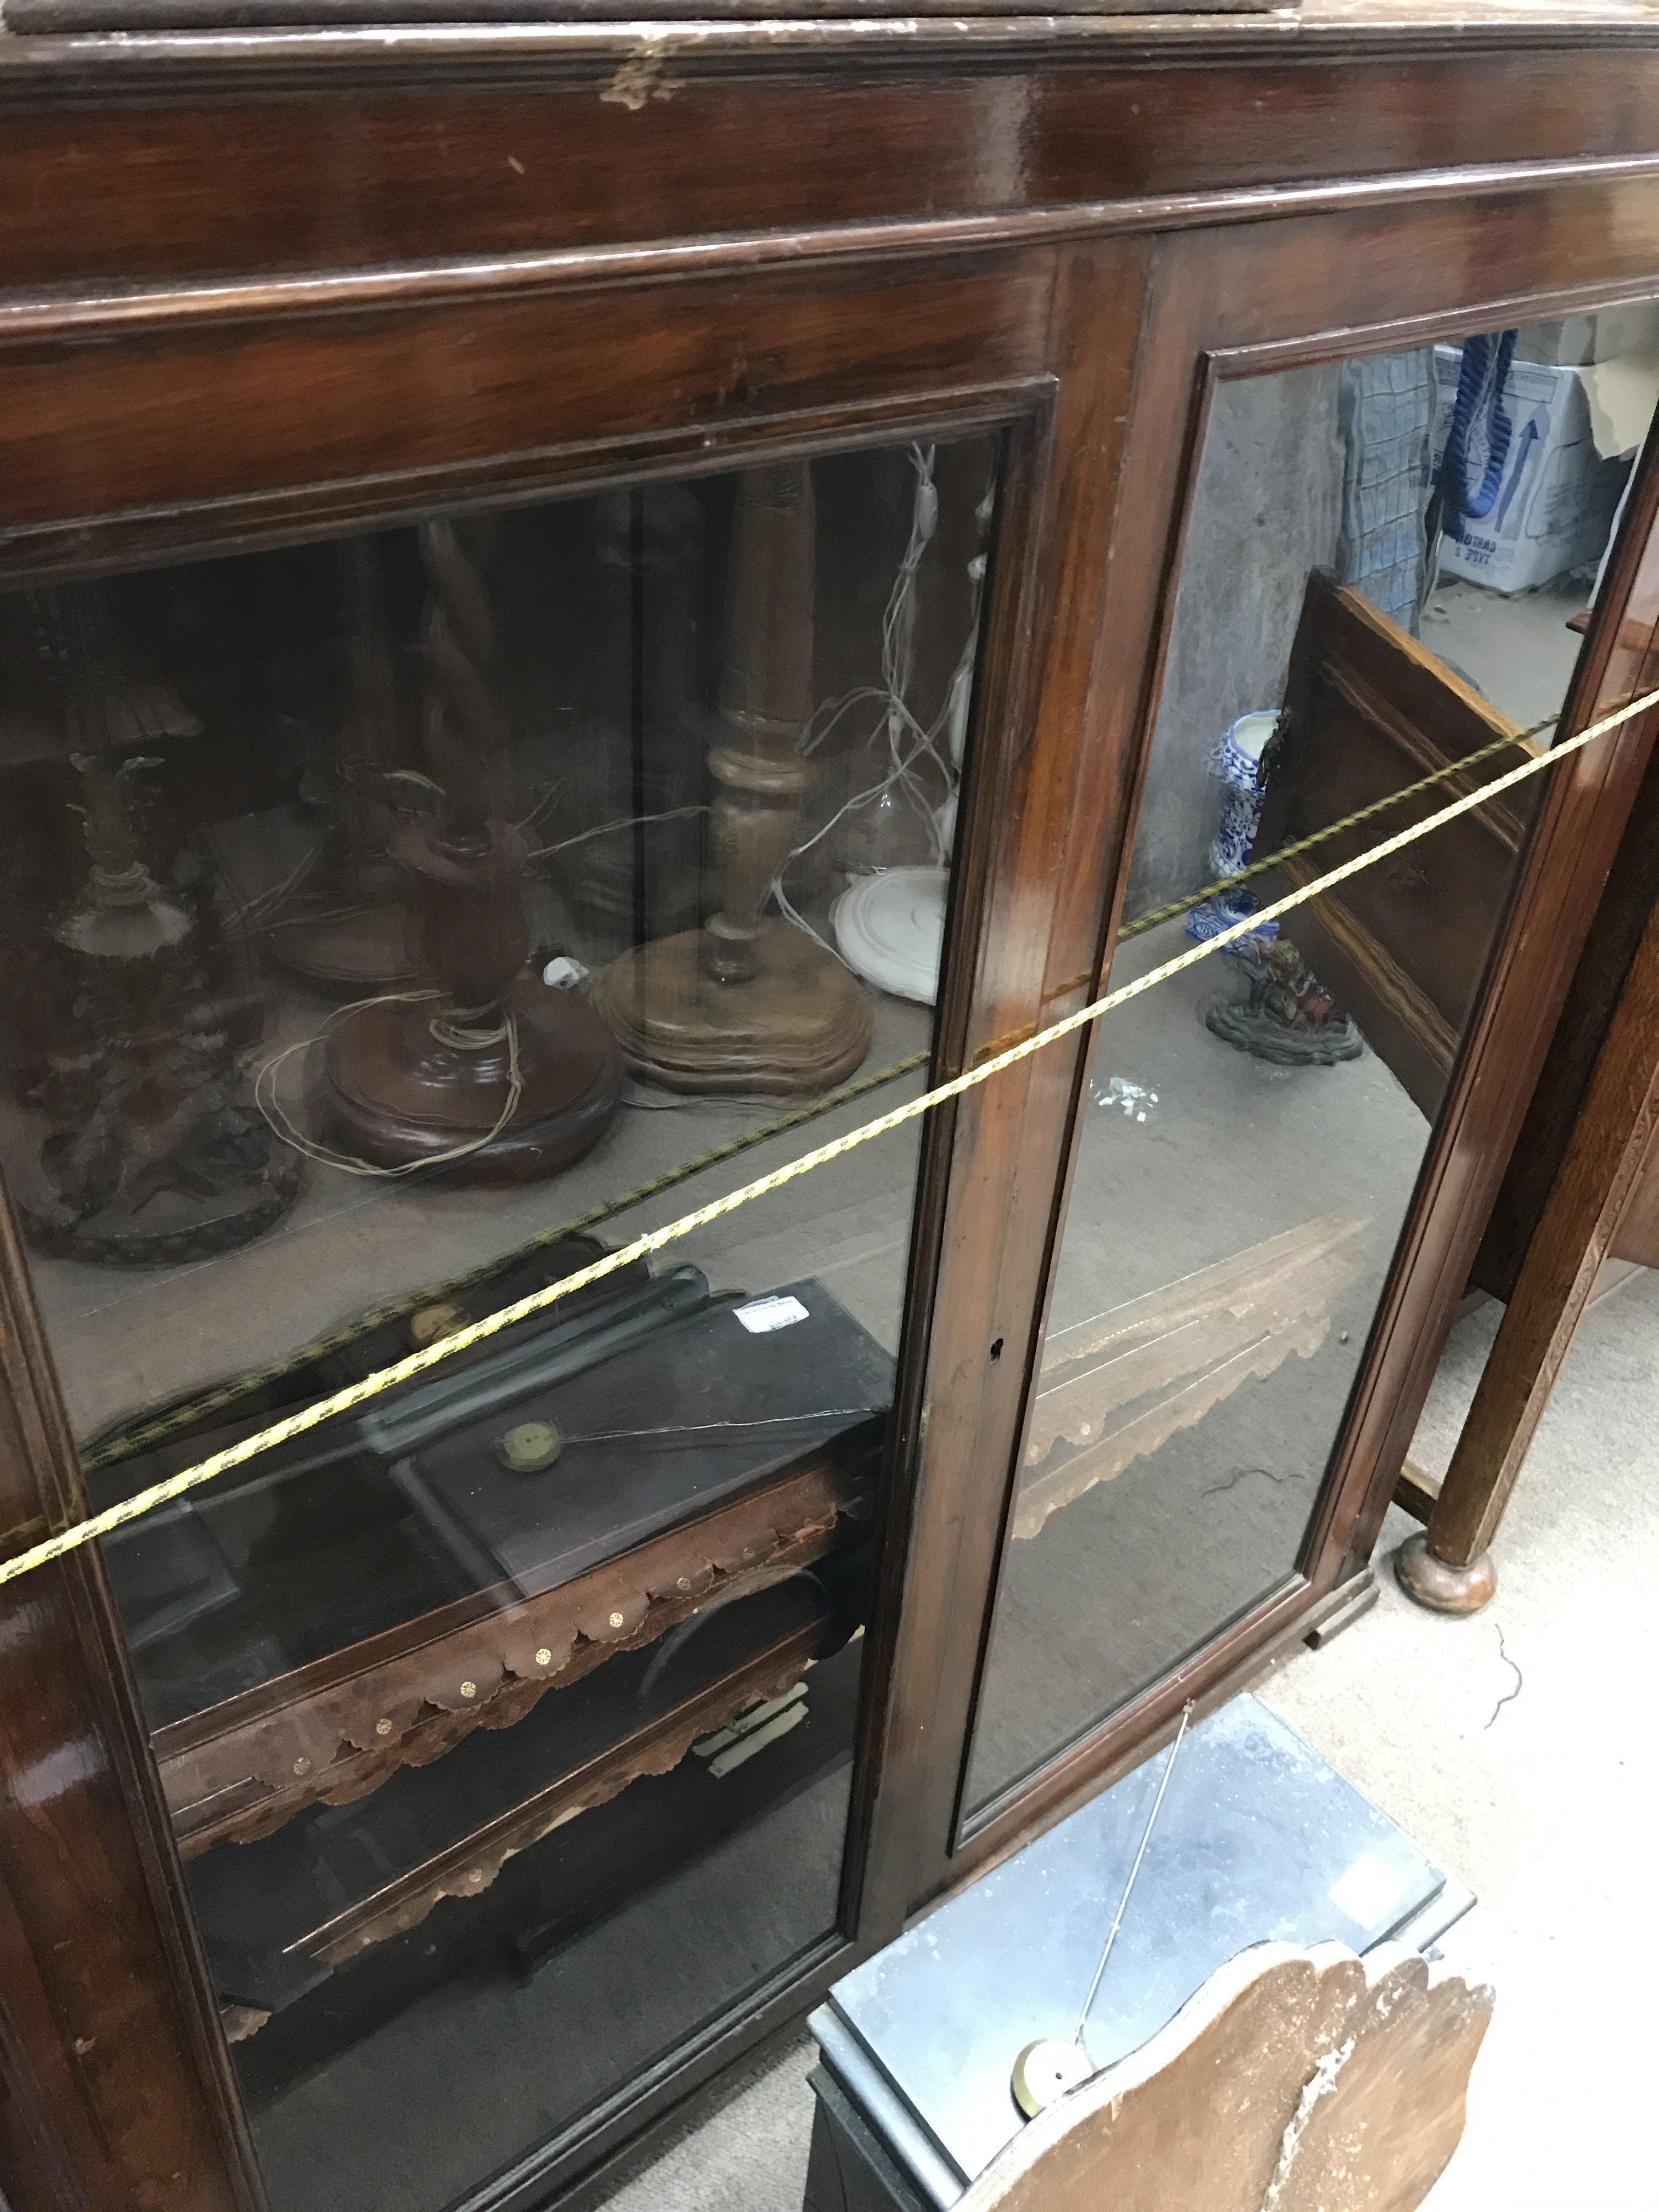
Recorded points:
380,1589
198,1422
554,1903
278,1917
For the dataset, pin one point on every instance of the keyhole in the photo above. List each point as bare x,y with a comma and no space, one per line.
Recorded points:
996,1349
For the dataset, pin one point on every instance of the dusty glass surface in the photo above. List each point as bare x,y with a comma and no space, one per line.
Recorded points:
1380,566
390,926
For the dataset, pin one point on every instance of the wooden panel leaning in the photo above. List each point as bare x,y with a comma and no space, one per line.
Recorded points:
1369,709
1298,2080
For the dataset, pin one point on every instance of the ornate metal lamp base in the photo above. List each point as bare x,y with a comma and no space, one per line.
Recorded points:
234,1180
389,1089
798,1025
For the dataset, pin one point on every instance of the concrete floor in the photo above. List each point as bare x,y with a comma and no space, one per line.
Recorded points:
1519,652
1545,1801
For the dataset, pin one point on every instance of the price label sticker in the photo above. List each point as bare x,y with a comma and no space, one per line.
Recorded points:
761,1315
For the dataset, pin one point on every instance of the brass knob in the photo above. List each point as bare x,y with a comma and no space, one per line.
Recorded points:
529,1448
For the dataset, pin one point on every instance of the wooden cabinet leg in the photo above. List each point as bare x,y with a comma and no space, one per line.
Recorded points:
1448,1567
1439,1584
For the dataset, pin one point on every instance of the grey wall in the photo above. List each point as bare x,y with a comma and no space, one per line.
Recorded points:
1266,508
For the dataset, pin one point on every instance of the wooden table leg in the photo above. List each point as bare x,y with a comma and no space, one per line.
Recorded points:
1448,1567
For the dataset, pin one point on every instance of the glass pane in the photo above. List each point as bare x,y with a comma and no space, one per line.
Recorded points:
1380,569
393,925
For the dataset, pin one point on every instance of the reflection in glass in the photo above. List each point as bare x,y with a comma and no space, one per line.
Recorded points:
391,927
1381,562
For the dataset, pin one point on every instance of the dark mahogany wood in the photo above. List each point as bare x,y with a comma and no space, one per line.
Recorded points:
1367,710
1248,301
1043,823
724,129
1604,1158
1580,1189
116,2089
269,285
1621,915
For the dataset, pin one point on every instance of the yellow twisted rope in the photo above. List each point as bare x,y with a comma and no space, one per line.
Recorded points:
128,1441
417,1363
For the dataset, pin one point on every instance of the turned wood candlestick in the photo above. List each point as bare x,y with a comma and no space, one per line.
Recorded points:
355,937
748,1002
502,1080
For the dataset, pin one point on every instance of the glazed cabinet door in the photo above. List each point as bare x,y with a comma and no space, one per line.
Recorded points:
1381,510
486,777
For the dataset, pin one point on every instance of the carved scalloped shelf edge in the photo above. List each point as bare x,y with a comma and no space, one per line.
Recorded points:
344,1741
470,1868
241,2020
1046,1488
1188,1328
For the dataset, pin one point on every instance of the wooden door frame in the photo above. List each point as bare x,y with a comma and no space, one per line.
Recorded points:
1153,230
1234,304
1582,1154
999,340
116,2083
1621,916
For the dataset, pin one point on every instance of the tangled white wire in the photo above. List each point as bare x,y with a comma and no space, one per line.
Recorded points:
909,742
287,1132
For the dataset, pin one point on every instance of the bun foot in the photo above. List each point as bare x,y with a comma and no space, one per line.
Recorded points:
1436,1584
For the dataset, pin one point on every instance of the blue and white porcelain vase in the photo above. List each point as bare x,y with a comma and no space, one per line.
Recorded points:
1237,764
1286,1015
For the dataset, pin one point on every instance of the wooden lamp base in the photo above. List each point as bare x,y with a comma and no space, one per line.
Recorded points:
362,948
798,1024
391,1088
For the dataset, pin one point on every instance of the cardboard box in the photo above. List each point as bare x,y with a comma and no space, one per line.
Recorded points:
1560,485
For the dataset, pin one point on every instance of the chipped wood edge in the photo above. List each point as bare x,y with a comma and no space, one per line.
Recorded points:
1387,1979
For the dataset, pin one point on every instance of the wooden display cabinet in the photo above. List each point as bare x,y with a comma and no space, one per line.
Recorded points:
441,445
